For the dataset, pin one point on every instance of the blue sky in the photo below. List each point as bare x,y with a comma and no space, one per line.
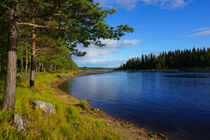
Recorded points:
160,25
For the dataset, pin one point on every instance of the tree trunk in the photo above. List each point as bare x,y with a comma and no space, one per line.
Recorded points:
10,84
39,67
33,55
26,60
22,68
42,67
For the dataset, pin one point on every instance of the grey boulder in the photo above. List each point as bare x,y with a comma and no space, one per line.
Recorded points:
44,106
19,122
64,77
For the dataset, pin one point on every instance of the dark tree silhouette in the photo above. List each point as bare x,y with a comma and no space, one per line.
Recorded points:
185,59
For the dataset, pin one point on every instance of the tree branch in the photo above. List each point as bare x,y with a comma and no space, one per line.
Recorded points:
51,12
41,26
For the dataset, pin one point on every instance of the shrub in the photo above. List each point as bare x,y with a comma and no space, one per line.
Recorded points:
84,104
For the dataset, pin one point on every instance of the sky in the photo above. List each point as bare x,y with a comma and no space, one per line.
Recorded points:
160,25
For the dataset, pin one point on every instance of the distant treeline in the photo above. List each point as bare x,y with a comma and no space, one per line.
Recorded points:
178,59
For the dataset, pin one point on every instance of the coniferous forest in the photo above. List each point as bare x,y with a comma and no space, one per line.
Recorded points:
178,59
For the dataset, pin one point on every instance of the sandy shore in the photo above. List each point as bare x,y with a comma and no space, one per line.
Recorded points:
128,130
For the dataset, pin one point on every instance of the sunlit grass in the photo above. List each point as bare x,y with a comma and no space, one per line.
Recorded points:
68,123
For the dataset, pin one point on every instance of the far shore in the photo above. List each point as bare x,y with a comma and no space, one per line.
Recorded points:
166,70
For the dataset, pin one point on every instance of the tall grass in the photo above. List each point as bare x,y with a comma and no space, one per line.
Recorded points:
68,123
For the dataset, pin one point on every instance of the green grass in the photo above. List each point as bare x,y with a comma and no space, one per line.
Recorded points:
84,104
68,123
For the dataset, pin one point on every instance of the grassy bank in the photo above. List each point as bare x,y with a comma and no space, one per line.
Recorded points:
69,122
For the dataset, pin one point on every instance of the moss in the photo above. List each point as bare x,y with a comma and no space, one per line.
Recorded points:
68,123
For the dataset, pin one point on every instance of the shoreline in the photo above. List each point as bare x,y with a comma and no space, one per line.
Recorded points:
167,70
128,130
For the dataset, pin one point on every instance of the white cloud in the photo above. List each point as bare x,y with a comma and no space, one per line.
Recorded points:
201,29
201,33
112,46
98,56
130,4
93,51
119,43
204,31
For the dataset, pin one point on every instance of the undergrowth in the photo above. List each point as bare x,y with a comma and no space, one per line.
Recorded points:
67,123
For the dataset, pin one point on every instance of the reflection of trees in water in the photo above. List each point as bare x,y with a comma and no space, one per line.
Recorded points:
66,86
187,76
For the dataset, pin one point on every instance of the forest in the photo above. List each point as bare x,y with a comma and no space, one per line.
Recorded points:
179,59
42,36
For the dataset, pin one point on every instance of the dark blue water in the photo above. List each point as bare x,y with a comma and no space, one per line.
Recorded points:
174,103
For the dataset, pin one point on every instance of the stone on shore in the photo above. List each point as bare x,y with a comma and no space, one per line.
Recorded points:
19,122
44,106
62,77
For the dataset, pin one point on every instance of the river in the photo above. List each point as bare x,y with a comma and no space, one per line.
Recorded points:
176,104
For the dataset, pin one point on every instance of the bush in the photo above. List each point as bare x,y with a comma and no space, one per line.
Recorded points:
84,104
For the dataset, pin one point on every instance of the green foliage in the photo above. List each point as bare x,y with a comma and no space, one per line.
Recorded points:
67,24
186,59
21,76
68,123
3,40
84,104
54,55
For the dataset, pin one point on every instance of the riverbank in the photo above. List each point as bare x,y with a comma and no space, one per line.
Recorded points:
75,119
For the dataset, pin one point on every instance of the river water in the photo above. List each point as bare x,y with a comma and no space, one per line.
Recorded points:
176,104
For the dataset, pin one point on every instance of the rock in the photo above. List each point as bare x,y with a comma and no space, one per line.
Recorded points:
107,124
75,125
162,136
62,77
44,106
19,122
